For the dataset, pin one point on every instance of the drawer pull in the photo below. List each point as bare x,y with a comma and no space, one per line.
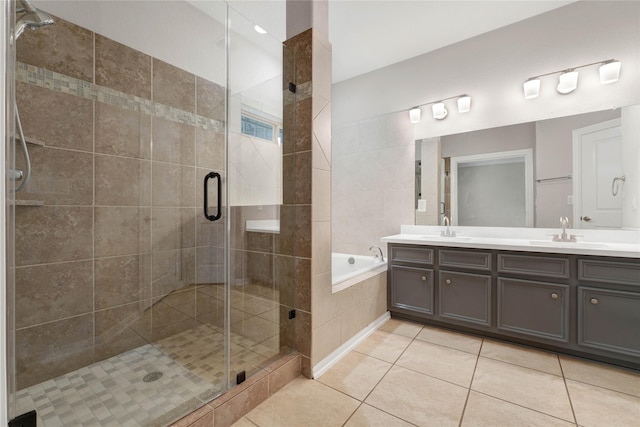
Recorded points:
424,278
448,281
555,296
594,301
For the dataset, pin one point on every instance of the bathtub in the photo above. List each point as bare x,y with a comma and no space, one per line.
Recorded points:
344,274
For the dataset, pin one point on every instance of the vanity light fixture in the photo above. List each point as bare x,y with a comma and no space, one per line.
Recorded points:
610,71
568,78
464,104
414,115
567,82
259,29
438,108
531,88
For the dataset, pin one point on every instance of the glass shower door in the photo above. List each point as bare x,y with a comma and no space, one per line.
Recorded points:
119,298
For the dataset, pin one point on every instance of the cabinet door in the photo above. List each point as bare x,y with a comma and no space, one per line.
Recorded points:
535,309
608,320
465,297
411,290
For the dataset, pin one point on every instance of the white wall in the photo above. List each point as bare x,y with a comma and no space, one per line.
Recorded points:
372,181
492,67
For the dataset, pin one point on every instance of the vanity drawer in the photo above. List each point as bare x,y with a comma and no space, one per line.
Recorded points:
465,259
623,273
411,254
534,265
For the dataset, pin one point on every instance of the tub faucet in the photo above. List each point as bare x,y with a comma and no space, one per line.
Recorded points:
447,232
564,237
379,254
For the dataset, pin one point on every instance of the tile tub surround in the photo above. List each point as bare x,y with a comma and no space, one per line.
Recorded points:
384,381
118,255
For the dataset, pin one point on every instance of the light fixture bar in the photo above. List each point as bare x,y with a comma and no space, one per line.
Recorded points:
568,79
438,108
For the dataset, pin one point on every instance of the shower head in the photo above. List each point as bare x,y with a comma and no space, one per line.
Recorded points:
32,18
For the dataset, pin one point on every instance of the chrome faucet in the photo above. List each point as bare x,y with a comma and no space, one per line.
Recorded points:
447,232
564,237
379,254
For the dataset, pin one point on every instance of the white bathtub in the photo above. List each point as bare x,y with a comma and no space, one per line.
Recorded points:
345,274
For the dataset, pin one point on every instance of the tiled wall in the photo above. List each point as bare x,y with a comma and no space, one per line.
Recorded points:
328,320
373,181
112,249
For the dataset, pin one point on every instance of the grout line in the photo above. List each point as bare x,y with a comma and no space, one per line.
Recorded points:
466,401
566,387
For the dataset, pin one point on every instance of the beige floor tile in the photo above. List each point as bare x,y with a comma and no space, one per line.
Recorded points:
401,327
447,338
304,402
356,374
596,406
384,346
483,410
607,376
533,389
368,416
243,422
522,356
418,398
440,362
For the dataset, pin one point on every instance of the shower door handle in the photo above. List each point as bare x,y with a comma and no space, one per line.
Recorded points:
206,198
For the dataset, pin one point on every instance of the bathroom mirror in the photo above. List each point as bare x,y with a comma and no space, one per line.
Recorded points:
470,187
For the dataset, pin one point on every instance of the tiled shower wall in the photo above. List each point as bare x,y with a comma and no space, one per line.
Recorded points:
112,249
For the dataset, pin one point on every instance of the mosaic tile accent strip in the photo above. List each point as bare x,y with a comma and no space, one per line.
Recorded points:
70,85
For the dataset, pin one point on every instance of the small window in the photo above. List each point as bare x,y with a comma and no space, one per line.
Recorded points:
257,128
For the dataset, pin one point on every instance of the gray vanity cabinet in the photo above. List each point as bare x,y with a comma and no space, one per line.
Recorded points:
527,302
464,293
609,306
578,304
536,309
411,275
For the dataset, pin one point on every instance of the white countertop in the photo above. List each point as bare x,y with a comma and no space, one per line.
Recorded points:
617,243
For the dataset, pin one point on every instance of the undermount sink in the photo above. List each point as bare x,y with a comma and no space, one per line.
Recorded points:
584,245
445,238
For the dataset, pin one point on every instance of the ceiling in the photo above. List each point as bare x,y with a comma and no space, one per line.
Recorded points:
367,35
371,34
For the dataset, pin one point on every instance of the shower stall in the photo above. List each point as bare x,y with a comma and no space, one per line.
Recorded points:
145,274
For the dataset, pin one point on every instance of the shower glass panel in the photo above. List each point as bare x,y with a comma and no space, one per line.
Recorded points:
117,300
262,273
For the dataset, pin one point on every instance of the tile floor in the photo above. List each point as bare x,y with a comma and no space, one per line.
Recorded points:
406,374
112,392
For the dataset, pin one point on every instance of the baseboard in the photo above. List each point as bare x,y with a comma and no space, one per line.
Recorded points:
322,366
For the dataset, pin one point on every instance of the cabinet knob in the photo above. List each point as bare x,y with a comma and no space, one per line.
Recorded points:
594,301
424,278
448,281
555,296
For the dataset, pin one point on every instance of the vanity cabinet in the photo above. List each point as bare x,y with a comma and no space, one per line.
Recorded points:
411,272
528,304
464,294
609,306
582,305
